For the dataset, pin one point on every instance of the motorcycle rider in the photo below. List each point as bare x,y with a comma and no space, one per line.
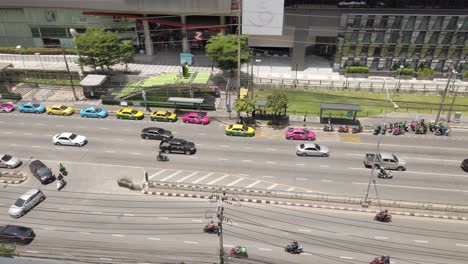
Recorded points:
384,215
60,181
375,261
237,249
161,155
211,225
384,260
294,245
383,172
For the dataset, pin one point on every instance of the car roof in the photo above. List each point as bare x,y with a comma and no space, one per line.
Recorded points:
126,109
309,145
152,129
57,105
28,194
178,140
14,228
37,162
386,155
237,126
194,113
294,129
91,108
65,134
161,112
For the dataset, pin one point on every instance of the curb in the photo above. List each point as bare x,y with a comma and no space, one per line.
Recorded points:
203,196
23,177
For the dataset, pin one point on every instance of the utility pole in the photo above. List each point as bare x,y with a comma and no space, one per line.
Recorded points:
453,99
69,75
443,96
239,24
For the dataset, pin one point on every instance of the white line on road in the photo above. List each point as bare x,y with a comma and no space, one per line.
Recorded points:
193,157
128,214
301,179
103,128
344,257
268,176
415,187
35,146
31,251
27,134
190,242
59,125
265,249
135,153
157,173
202,178
271,149
272,186
110,151
231,246
300,164
253,184
235,182
379,237
163,217
106,259
14,145
153,238
187,177
224,146
117,235
271,162
219,179
197,220
85,233
326,181
96,212
291,189
324,166
84,149
307,254
304,230
421,241
7,132
222,159
246,160
172,175
248,147
461,245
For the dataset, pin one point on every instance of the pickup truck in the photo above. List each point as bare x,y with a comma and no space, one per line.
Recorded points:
388,161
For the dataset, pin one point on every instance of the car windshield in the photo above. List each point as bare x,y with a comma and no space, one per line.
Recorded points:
245,128
396,159
230,127
63,107
98,109
160,131
134,112
19,202
306,131
43,171
302,146
6,158
72,136
36,105
167,114
317,147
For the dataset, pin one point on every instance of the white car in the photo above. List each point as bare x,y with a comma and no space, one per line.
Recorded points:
70,139
26,202
312,149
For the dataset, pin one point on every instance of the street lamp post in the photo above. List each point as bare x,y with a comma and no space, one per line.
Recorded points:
399,78
443,96
38,55
19,48
395,106
69,74
453,99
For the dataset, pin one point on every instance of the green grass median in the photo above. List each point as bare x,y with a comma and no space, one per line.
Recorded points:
308,101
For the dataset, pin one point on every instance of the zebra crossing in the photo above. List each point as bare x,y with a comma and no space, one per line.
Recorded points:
217,179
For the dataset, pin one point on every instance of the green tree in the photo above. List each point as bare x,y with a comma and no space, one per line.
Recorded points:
244,105
126,53
223,50
98,48
277,102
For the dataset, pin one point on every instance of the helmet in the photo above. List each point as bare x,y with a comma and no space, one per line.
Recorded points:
386,210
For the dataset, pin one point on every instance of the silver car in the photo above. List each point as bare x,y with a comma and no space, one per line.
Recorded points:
9,162
26,202
70,139
312,149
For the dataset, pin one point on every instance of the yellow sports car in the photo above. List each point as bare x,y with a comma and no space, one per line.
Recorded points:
60,110
240,130
163,116
129,113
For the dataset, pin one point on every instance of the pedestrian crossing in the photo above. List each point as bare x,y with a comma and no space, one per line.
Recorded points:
217,179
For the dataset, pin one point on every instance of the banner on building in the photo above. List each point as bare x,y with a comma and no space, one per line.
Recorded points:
262,17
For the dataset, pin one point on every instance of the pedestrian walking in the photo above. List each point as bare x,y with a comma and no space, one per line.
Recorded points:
305,119
146,177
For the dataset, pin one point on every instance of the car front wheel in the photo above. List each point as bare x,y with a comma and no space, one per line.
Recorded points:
291,138
58,143
324,155
187,152
77,145
303,154
400,168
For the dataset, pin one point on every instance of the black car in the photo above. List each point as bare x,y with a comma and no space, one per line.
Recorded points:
16,234
464,165
156,133
41,172
178,146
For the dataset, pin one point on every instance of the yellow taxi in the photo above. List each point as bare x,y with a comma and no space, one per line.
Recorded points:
60,110
165,116
239,130
129,113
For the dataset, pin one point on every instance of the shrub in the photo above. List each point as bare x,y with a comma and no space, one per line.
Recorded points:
357,69
425,72
11,96
405,71
465,74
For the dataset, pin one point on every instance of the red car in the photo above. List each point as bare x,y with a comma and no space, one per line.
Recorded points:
196,118
299,133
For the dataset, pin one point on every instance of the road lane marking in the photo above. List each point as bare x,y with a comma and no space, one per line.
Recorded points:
32,251
382,238
106,259
272,186
190,242
59,125
85,233
265,249
187,177
271,162
202,178
157,173
324,166
172,175
301,179
7,132
246,160
153,238
291,189
307,254
461,245
162,217
272,149
304,230
135,153
225,146
222,159
103,128
231,246
344,257
218,179
326,181
248,147
300,164
235,182
418,172
414,187
110,151
268,176
421,241
14,145
27,134
193,157
253,184
117,235
196,220
128,214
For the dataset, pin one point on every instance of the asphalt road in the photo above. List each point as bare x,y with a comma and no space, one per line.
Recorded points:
266,161
134,228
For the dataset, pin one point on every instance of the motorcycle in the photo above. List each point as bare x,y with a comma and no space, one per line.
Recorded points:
61,184
404,126
211,230
383,218
377,130
240,253
385,259
421,129
442,131
328,128
414,125
385,175
390,128
357,129
343,129
292,250
432,126
162,157
398,131
62,169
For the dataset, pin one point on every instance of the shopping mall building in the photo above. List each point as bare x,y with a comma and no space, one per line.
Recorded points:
380,34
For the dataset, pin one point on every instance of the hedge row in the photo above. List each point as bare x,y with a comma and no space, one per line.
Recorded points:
405,71
31,51
11,96
425,72
465,74
357,69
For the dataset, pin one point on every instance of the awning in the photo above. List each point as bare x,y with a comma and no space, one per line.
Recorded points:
341,107
93,80
185,100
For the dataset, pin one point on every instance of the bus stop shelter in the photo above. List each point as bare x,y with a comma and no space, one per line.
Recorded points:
351,110
93,85
182,101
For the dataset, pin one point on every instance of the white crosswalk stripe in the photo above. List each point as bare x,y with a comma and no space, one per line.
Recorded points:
218,179
187,177
172,175
235,182
204,177
157,173
253,184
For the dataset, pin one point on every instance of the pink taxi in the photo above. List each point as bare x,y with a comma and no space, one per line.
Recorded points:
6,107
299,133
196,118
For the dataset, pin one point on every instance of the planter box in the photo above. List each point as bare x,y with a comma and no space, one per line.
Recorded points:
404,77
357,75
425,78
